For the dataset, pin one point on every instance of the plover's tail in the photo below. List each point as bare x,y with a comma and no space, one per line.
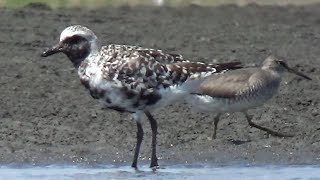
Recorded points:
227,66
194,68
189,75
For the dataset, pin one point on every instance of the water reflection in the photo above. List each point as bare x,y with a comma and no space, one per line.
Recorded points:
170,172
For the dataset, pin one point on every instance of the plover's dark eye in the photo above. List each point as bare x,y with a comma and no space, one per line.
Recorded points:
281,62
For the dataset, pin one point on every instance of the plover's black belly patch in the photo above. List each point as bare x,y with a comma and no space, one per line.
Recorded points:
129,94
85,83
146,99
151,98
119,109
97,93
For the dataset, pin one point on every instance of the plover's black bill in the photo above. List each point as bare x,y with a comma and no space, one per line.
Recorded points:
55,49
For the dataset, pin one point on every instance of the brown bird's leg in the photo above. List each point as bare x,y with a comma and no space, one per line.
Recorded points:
154,127
216,121
139,140
274,133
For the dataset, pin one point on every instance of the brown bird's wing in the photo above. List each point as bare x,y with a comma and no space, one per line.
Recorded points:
228,85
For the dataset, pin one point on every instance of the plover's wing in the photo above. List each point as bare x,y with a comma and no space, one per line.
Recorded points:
132,68
159,55
183,72
140,69
112,49
198,67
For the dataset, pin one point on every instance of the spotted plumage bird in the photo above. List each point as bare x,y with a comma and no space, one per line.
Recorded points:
240,90
130,78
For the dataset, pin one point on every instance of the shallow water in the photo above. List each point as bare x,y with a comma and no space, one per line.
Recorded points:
169,172
92,4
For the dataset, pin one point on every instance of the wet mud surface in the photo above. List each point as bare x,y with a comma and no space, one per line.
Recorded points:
46,116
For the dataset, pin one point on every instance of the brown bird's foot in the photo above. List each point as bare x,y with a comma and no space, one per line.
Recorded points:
277,134
269,131
238,142
216,121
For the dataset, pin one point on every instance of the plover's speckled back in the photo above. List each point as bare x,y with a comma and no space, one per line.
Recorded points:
240,90
130,78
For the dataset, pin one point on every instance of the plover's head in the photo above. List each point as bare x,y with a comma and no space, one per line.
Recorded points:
77,42
280,65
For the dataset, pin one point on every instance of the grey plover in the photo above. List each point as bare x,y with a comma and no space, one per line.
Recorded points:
132,79
240,90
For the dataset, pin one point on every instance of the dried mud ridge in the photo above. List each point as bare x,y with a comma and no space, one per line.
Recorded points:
48,117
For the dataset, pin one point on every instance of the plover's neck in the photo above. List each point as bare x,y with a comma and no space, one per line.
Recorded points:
95,48
77,62
91,56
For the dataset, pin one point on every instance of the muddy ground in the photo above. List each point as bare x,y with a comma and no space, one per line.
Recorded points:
48,117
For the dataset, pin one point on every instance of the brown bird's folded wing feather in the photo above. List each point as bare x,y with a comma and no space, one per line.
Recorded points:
227,85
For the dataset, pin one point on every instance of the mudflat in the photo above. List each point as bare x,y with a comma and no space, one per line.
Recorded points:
46,115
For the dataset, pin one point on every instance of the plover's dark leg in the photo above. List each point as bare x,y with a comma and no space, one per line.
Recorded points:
274,133
154,127
216,121
139,140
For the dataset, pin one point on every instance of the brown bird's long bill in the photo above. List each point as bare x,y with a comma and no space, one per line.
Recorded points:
298,73
55,49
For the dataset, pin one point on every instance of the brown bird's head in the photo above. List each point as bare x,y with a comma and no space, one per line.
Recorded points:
280,65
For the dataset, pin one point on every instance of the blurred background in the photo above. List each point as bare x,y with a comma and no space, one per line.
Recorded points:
48,121
102,3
